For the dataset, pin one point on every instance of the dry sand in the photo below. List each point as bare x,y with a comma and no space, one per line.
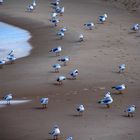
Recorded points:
97,59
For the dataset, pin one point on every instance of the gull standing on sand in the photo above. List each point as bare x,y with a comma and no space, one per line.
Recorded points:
61,34
81,38
34,3
103,18
131,110
64,60
74,73
55,132
56,50
60,10
2,62
1,2
89,25
107,100
54,21
80,109
53,15
11,58
30,8
56,67
60,79
122,68
64,29
44,102
69,138
8,98
119,88
135,27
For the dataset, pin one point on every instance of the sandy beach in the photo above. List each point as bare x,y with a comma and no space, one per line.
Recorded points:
97,59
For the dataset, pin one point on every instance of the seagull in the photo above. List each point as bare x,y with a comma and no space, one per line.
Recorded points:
54,21
64,59
56,50
2,62
11,58
119,88
60,79
1,2
30,8
130,110
44,102
81,38
80,109
135,27
107,100
60,34
122,68
54,15
56,67
74,73
60,10
34,3
55,3
64,29
102,18
89,25
55,132
107,94
69,138
8,98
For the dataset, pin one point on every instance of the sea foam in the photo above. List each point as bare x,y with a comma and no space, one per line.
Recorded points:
13,38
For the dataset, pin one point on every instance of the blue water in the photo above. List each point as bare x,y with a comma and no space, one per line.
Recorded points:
13,38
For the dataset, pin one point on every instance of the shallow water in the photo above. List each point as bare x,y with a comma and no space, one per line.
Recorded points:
3,103
13,38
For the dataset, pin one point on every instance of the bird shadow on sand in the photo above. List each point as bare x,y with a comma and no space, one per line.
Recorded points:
132,32
51,71
126,116
75,115
39,108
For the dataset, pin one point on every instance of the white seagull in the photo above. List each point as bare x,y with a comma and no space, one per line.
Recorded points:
80,109
53,15
64,60
135,27
119,88
81,37
55,132
103,18
130,110
60,10
74,73
30,8
11,58
34,3
54,21
122,68
64,29
107,100
2,62
1,2
8,98
56,50
44,102
60,79
61,34
69,138
56,67
55,3
89,25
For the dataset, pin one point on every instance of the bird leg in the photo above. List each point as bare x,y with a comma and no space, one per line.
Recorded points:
108,106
